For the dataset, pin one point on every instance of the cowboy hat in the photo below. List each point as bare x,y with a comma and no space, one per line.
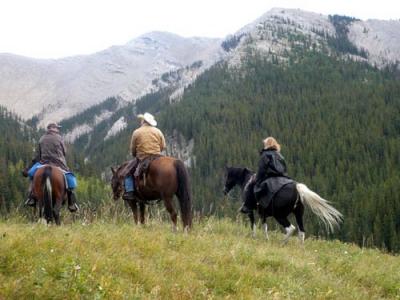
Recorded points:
148,118
53,125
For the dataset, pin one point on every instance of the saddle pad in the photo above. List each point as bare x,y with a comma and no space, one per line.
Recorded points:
33,169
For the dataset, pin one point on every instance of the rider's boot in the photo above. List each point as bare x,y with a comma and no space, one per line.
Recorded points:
244,209
72,205
30,201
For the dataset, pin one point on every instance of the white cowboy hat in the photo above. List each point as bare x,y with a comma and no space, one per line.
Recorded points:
52,125
149,118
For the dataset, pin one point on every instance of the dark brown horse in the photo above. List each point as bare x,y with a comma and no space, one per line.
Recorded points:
48,188
166,177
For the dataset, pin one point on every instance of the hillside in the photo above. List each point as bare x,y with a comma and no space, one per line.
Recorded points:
216,260
58,89
337,119
16,151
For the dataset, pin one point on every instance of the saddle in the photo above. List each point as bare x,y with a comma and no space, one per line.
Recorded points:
143,166
266,190
69,177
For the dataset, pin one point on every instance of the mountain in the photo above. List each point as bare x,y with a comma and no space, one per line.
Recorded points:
58,89
334,109
275,35
375,41
325,90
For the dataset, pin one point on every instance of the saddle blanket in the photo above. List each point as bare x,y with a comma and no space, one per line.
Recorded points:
70,178
266,191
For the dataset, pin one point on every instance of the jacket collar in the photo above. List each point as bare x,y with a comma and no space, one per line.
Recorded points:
267,149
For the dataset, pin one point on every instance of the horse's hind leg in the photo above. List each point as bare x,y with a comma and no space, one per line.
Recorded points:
289,228
56,212
172,212
298,212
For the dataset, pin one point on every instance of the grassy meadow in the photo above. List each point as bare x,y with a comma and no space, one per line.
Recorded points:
217,260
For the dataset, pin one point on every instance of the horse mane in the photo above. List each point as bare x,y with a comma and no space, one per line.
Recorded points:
238,172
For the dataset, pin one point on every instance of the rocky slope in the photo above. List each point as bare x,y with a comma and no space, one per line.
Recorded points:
58,89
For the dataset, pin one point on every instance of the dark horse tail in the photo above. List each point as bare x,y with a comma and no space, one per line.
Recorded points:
47,194
183,193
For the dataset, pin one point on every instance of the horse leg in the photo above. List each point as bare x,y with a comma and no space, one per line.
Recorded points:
172,212
142,211
252,223
265,225
133,206
56,212
289,228
298,212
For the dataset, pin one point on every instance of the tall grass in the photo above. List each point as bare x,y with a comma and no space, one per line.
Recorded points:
114,259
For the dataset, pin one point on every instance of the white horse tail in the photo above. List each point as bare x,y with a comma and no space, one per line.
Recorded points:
327,213
47,194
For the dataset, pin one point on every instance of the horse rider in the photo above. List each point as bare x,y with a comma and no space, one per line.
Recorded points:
146,141
271,174
51,150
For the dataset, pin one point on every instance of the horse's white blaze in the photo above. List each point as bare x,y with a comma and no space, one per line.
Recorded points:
266,231
327,213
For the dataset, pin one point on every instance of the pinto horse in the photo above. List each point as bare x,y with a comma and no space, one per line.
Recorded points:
166,177
48,188
289,199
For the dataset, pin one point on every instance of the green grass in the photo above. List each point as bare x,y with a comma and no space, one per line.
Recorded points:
218,259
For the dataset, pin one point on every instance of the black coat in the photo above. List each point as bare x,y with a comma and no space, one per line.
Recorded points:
271,164
271,176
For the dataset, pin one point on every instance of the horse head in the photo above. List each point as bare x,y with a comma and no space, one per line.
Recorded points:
230,179
234,176
116,183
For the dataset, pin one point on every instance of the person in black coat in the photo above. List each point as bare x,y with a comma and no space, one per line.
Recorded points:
271,164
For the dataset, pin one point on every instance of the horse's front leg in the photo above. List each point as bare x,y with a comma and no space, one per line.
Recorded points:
172,212
133,206
263,214
142,211
252,224
265,225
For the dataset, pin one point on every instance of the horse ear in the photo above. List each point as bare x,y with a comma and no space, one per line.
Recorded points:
113,170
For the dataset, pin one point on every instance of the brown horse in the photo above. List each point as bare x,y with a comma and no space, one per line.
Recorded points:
166,177
48,188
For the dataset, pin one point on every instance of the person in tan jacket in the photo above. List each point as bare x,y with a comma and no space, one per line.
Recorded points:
146,141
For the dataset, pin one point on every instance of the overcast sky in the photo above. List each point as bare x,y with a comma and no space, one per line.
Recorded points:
57,28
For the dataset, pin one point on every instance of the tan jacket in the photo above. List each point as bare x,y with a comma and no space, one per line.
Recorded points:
147,140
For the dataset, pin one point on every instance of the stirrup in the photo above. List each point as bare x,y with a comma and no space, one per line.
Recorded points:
73,207
30,202
128,196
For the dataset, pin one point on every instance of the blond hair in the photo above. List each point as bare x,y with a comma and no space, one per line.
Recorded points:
271,142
